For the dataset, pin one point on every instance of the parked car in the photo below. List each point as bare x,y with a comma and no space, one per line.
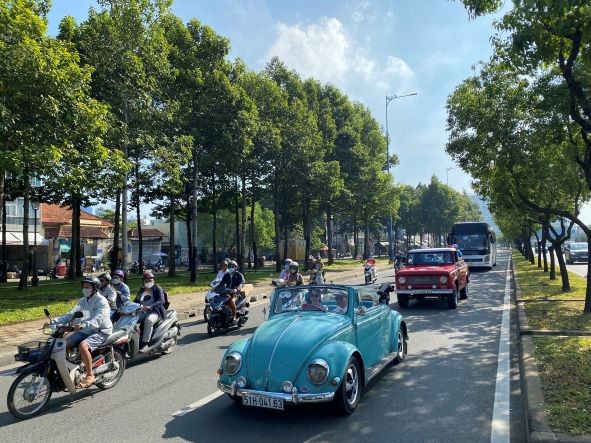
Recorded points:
321,343
576,251
438,272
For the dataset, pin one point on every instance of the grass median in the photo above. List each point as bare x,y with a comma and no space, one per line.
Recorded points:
59,296
563,362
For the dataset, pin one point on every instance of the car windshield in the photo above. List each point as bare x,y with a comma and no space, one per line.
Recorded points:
430,258
311,298
578,246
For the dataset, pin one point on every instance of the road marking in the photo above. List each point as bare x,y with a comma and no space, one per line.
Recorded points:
501,423
197,404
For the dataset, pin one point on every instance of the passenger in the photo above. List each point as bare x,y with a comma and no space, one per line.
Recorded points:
121,289
285,271
151,297
342,301
222,271
294,278
91,331
107,291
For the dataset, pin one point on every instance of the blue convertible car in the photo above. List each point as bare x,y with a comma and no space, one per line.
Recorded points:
320,344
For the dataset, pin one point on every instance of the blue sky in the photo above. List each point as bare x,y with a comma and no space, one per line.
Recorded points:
369,49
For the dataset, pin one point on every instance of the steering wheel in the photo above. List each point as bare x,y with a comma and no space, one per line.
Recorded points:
309,307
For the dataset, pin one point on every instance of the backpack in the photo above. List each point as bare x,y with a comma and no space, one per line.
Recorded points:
166,303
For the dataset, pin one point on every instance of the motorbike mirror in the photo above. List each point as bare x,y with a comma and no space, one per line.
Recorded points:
46,311
78,314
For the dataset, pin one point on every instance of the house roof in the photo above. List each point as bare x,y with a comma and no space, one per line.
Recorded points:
59,215
146,233
91,232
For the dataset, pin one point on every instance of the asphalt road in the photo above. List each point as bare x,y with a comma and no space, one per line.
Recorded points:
443,391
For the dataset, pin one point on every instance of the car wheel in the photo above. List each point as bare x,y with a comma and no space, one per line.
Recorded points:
351,388
402,300
464,292
401,347
453,299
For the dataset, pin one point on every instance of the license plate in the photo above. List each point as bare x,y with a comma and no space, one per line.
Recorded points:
421,291
262,401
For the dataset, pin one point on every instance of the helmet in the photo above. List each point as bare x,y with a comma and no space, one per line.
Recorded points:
119,273
232,263
93,281
294,265
288,261
147,274
105,276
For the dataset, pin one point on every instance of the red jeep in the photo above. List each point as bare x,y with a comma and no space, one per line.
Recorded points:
437,272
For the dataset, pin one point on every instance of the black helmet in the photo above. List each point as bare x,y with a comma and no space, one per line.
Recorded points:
93,281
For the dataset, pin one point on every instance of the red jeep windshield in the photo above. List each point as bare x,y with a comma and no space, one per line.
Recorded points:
430,258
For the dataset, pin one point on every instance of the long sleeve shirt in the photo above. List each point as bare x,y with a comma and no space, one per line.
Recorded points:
109,293
96,315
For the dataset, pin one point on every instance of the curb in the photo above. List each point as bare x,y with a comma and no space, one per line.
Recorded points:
536,421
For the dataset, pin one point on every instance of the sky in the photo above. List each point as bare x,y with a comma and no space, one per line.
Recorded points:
369,50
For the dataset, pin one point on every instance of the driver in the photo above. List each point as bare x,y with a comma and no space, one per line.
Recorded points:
315,298
93,329
234,281
342,302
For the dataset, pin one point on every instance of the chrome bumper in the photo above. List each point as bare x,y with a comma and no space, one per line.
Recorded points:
424,291
293,398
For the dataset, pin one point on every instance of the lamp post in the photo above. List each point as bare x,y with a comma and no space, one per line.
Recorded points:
35,279
389,98
447,174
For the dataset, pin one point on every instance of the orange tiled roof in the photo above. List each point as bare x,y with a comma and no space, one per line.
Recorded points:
59,215
146,233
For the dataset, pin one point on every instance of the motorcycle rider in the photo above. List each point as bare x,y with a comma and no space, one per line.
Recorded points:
222,271
316,271
294,278
151,297
371,262
233,280
106,290
121,289
285,271
90,332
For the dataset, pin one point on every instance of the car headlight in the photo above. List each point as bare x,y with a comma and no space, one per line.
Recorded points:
401,280
443,279
318,371
232,363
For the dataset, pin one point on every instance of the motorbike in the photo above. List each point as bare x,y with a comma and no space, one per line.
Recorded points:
370,276
50,367
134,269
164,336
316,277
208,297
221,315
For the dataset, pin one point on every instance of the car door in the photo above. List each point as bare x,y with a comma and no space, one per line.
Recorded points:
372,334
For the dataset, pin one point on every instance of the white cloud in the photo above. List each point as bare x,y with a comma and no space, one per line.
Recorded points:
326,51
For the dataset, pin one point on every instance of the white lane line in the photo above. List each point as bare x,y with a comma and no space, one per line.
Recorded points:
197,404
501,423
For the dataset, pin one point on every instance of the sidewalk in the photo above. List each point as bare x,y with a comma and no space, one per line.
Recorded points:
189,307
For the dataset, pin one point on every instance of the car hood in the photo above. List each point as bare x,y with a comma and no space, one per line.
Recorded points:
426,269
282,346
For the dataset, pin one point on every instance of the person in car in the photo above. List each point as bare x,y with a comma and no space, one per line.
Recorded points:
151,297
91,331
342,302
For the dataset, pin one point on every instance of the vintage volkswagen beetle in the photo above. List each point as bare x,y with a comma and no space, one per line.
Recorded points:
320,343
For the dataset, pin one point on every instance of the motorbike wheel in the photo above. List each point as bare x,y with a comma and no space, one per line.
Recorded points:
21,402
171,347
212,330
114,379
206,313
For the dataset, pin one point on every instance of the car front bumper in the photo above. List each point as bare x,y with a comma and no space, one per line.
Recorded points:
426,292
293,398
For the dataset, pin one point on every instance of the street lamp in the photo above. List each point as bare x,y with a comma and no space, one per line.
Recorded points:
447,174
389,98
35,279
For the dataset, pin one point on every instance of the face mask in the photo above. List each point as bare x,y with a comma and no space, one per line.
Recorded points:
230,270
149,284
286,267
116,281
87,292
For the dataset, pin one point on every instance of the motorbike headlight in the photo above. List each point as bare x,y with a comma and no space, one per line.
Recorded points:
318,371
232,363
401,280
48,329
443,279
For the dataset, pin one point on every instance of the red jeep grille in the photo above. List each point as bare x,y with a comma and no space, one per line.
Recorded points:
423,280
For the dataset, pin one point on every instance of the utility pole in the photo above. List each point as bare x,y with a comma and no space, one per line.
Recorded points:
390,236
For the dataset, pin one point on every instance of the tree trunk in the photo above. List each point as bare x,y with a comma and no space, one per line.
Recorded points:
193,278
24,277
255,251
306,222
284,220
329,234
242,225
276,224
366,239
124,239
563,272
543,246
76,226
3,209
355,239
237,222
214,228
140,239
189,234
172,242
74,249
115,250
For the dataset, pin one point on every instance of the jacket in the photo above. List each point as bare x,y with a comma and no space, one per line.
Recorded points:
97,315
234,280
158,298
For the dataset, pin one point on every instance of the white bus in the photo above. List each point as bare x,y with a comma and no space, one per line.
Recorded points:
477,242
